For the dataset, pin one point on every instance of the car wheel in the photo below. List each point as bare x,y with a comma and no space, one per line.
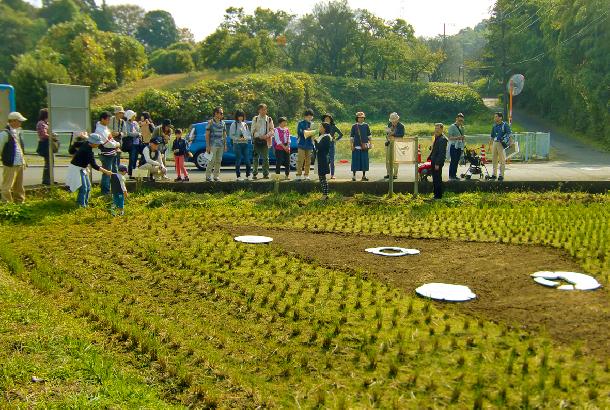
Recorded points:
293,160
201,161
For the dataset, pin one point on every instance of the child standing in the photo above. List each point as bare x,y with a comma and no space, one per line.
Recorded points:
322,140
119,191
281,147
180,150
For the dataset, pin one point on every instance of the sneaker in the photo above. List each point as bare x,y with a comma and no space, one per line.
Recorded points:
217,179
492,177
254,177
324,197
208,179
121,213
286,178
165,178
178,179
332,177
298,178
395,177
365,179
501,178
238,179
307,178
386,177
354,178
186,179
265,176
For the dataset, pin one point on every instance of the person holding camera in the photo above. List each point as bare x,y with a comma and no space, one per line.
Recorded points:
395,129
499,141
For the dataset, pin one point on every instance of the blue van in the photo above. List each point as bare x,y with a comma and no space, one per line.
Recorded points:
197,147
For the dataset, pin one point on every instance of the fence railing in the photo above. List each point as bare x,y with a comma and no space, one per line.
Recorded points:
532,145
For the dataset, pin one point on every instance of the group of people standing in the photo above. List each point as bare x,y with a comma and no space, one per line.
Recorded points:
146,146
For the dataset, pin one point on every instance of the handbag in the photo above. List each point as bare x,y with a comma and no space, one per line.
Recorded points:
364,146
55,145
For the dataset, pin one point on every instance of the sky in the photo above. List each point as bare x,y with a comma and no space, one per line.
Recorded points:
426,16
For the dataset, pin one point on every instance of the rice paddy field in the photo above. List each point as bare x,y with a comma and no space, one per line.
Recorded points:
161,308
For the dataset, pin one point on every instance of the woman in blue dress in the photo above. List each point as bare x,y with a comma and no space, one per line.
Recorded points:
360,138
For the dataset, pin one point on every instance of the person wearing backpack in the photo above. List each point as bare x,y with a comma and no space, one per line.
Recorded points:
13,159
455,134
241,138
262,132
499,140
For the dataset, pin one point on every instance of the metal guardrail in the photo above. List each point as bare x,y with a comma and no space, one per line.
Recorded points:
532,145
30,140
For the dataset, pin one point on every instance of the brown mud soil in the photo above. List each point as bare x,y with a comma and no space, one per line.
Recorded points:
498,273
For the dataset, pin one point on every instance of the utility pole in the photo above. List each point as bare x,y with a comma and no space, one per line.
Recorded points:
445,44
504,71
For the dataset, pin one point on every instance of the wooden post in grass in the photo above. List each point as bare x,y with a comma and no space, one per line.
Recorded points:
416,162
391,173
276,184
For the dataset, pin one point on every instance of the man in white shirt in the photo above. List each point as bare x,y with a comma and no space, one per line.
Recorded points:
13,159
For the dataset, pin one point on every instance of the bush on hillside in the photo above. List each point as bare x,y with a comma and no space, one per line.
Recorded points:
288,94
171,61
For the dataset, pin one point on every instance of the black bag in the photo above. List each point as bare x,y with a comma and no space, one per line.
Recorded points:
126,144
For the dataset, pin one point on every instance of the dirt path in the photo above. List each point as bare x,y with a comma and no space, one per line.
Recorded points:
502,283
566,148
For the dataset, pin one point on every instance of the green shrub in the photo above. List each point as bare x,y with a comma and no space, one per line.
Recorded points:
288,94
14,213
444,100
172,61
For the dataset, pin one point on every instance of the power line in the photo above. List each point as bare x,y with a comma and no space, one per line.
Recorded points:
579,32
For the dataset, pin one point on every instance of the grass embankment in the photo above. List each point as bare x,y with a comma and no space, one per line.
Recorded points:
158,82
226,324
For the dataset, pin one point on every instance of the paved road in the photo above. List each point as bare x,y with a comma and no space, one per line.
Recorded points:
574,161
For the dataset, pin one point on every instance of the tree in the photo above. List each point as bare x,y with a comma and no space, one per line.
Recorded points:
19,34
185,35
157,30
30,77
126,54
87,64
126,18
171,61
59,11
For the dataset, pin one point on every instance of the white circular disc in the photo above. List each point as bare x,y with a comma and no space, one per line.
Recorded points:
392,251
253,239
578,281
445,291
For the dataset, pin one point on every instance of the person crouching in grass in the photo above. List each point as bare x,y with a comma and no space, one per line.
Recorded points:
119,191
180,150
77,177
281,147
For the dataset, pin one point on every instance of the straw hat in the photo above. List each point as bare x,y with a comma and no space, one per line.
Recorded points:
360,114
394,117
118,109
15,116
129,114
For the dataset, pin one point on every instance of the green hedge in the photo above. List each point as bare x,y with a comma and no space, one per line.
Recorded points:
288,94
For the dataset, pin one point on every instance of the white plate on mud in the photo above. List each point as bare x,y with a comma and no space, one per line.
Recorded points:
253,239
392,251
576,281
446,292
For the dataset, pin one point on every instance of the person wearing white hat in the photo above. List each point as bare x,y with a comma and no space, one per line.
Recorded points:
77,177
13,159
394,130
117,127
132,140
